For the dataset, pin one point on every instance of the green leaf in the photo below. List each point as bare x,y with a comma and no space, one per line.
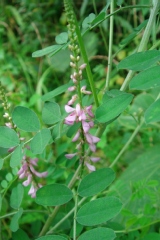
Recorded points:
8,137
119,2
135,32
140,61
40,141
73,129
113,107
152,114
98,211
153,236
14,221
98,233
53,195
62,38
52,237
56,131
9,177
51,113
25,119
4,184
16,157
56,92
143,169
99,18
88,20
51,49
1,201
17,16
16,196
147,79
20,235
96,182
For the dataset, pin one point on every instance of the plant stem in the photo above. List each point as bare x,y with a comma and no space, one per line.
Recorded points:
85,59
110,46
75,215
118,10
144,41
55,211
66,216
127,144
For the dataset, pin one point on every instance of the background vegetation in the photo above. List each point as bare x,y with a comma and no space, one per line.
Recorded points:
27,26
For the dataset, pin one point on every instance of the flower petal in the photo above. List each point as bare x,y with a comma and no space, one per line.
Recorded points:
94,159
90,167
69,109
71,155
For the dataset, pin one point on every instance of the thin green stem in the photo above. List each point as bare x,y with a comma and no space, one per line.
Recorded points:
75,215
127,144
65,217
118,10
144,41
55,211
110,47
100,27
138,228
25,211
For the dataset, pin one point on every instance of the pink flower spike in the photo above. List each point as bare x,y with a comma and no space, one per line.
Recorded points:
69,109
83,66
76,137
94,159
71,155
90,167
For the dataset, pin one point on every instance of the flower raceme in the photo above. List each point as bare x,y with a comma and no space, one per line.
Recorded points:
85,116
27,170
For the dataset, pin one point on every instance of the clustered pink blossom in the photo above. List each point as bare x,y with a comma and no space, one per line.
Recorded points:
85,116
27,170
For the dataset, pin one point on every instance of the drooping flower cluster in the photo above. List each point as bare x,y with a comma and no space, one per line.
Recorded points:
27,170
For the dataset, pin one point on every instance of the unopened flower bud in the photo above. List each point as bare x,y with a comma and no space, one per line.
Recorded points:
72,57
71,89
72,64
83,66
6,115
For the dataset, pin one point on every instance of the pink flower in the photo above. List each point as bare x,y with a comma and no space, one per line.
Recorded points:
27,170
76,137
89,111
94,159
71,155
83,90
83,66
90,167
